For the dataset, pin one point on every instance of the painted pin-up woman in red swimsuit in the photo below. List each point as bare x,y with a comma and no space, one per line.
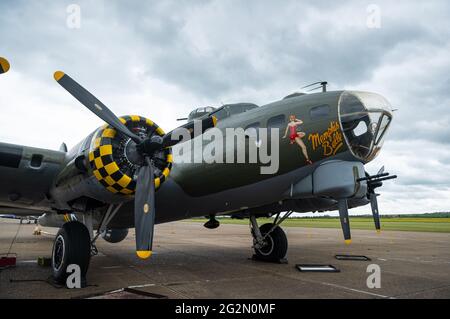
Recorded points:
296,137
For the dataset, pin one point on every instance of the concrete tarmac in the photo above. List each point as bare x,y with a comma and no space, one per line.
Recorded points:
191,261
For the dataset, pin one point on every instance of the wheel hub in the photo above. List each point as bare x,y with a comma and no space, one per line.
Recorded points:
58,252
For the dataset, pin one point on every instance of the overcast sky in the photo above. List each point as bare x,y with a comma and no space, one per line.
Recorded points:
161,59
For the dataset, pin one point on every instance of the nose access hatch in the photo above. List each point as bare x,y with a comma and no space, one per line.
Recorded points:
365,118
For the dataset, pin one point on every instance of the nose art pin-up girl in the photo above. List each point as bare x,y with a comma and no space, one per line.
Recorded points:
296,137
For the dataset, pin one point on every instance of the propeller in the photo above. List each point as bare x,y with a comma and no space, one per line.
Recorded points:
375,213
4,65
144,199
345,222
373,182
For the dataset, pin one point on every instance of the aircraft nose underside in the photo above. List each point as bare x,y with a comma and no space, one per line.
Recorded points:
365,118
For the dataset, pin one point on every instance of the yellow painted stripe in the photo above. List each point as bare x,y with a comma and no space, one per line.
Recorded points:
157,182
166,172
97,142
58,75
109,132
97,175
126,191
160,131
98,162
170,158
149,122
122,120
143,254
214,120
135,118
109,180
112,189
91,156
105,150
111,168
124,181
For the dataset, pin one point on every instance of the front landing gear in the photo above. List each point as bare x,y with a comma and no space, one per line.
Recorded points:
269,242
72,245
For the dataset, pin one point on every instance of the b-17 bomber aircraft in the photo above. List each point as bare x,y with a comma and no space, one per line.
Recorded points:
130,173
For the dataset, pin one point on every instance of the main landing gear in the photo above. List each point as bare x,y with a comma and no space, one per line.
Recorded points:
75,244
72,245
269,241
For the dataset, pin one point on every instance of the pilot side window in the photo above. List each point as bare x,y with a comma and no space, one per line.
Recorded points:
319,112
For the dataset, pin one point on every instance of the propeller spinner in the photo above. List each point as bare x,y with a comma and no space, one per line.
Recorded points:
144,200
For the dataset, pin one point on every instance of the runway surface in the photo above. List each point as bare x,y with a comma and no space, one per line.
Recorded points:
193,262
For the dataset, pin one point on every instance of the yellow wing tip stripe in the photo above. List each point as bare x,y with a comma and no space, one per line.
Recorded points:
348,241
58,75
5,64
144,254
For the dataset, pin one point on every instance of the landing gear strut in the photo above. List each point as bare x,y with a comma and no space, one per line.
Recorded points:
269,240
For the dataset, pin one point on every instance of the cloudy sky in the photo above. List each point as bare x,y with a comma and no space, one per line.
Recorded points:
161,59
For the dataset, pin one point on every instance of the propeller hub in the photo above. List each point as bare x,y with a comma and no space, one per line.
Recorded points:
150,146
132,154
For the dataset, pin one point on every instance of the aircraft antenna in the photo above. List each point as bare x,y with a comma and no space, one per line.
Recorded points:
323,85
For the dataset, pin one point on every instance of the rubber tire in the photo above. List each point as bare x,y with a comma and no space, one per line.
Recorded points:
280,244
77,243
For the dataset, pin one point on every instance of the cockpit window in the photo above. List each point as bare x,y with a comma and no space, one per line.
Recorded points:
233,109
365,118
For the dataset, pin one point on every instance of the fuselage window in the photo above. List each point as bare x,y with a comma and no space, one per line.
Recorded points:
319,112
253,129
36,160
276,121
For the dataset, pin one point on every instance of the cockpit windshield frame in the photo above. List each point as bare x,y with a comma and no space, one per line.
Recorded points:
363,109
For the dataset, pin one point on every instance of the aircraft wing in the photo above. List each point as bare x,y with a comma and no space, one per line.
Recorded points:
26,175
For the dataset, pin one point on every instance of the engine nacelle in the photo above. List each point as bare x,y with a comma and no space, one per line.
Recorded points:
103,167
115,235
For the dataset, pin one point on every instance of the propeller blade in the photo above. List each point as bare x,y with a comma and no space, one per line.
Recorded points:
4,65
381,171
173,137
345,222
93,104
144,210
375,213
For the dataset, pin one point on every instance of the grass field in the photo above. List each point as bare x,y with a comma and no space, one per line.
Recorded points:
424,224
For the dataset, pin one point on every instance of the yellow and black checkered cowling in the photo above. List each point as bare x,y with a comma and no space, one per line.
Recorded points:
111,170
